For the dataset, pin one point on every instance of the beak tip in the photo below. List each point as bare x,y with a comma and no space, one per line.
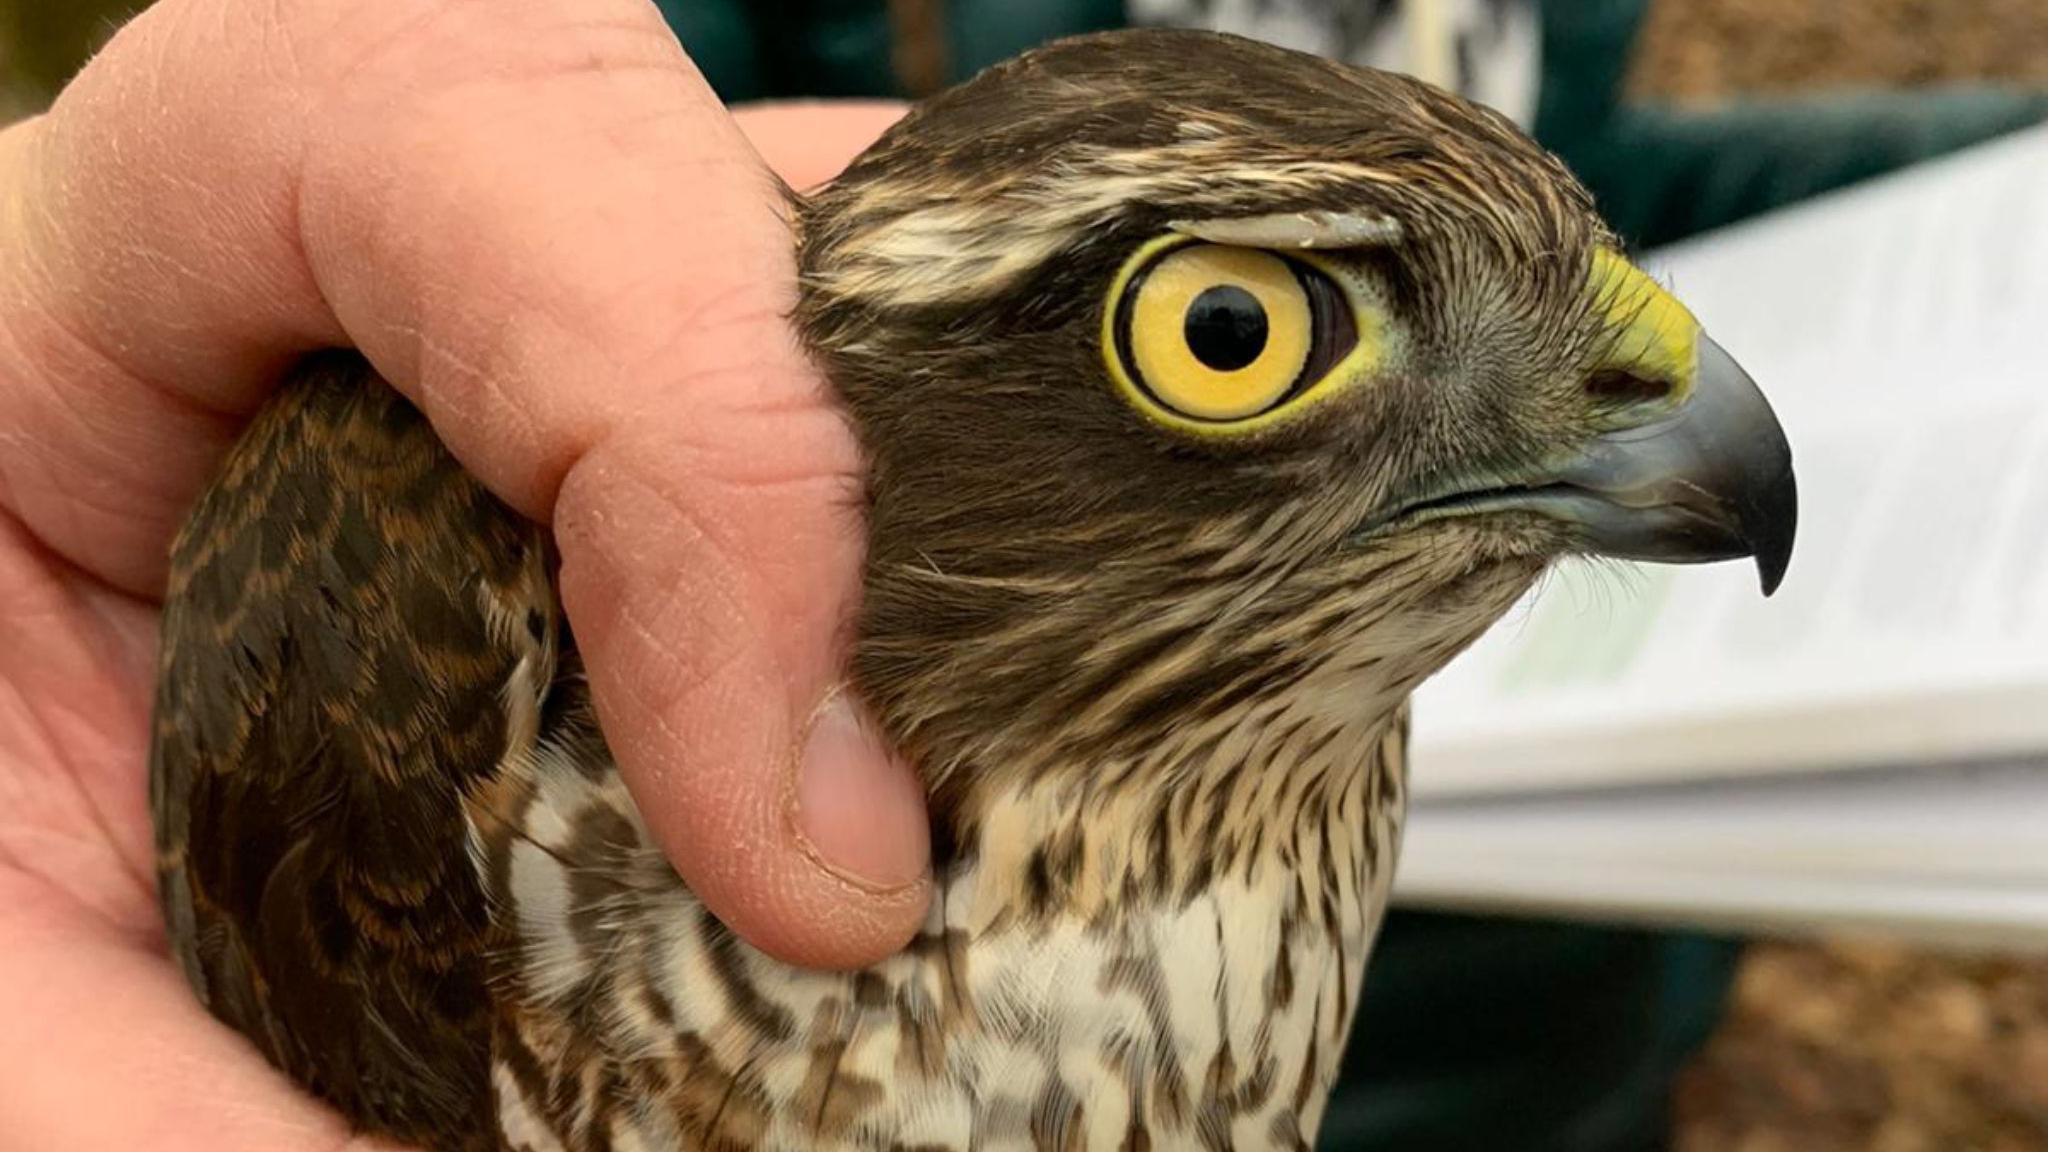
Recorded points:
1772,530
1760,478
1771,573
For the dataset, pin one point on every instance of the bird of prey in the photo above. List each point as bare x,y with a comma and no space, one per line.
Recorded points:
1212,396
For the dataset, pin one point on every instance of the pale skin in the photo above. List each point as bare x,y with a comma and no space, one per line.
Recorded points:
539,223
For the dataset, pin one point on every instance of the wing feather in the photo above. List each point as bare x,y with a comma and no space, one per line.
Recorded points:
331,687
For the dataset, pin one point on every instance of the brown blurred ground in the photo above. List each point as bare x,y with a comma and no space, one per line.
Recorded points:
1701,51
1847,1048
1874,1048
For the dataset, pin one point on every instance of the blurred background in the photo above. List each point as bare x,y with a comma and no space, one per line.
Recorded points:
1682,115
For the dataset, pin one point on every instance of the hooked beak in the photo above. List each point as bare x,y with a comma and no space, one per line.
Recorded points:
1710,480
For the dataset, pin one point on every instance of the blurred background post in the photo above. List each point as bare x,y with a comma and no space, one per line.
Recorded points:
1682,115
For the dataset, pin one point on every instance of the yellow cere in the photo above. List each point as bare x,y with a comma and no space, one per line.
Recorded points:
1162,375
1656,337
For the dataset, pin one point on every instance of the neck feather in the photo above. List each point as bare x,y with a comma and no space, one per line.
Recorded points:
1292,801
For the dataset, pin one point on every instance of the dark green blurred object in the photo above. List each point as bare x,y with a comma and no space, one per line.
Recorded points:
1485,1034
1475,1034
752,49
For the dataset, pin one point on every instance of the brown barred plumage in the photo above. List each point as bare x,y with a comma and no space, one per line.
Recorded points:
1157,682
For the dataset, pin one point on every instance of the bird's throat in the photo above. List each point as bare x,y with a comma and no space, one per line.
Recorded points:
1306,809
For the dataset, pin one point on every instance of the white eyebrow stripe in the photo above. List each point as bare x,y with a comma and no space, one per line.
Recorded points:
1296,230
973,240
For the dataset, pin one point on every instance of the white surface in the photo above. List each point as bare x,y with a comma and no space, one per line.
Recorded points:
1957,853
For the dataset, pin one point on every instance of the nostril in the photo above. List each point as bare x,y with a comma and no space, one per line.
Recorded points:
1624,388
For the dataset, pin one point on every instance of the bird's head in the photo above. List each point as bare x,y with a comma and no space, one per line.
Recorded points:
1206,384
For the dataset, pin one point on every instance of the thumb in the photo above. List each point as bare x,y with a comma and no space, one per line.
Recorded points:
797,825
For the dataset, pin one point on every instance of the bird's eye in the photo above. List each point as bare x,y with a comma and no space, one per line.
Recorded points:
1218,335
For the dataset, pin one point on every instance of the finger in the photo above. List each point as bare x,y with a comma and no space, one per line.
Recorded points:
536,220
808,143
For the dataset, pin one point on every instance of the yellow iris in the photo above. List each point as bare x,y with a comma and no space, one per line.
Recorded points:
1220,333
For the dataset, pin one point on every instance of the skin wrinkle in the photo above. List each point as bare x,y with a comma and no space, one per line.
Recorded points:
456,391
737,399
38,885
535,502
128,378
20,592
275,30
48,304
70,870
628,133
794,478
735,309
85,496
727,384
722,477
407,30
137,869
531,503
67,493
160,175
439,367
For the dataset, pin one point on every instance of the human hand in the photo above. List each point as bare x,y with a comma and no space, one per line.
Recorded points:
538,223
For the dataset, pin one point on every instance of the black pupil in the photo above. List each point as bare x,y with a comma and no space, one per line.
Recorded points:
1226,328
